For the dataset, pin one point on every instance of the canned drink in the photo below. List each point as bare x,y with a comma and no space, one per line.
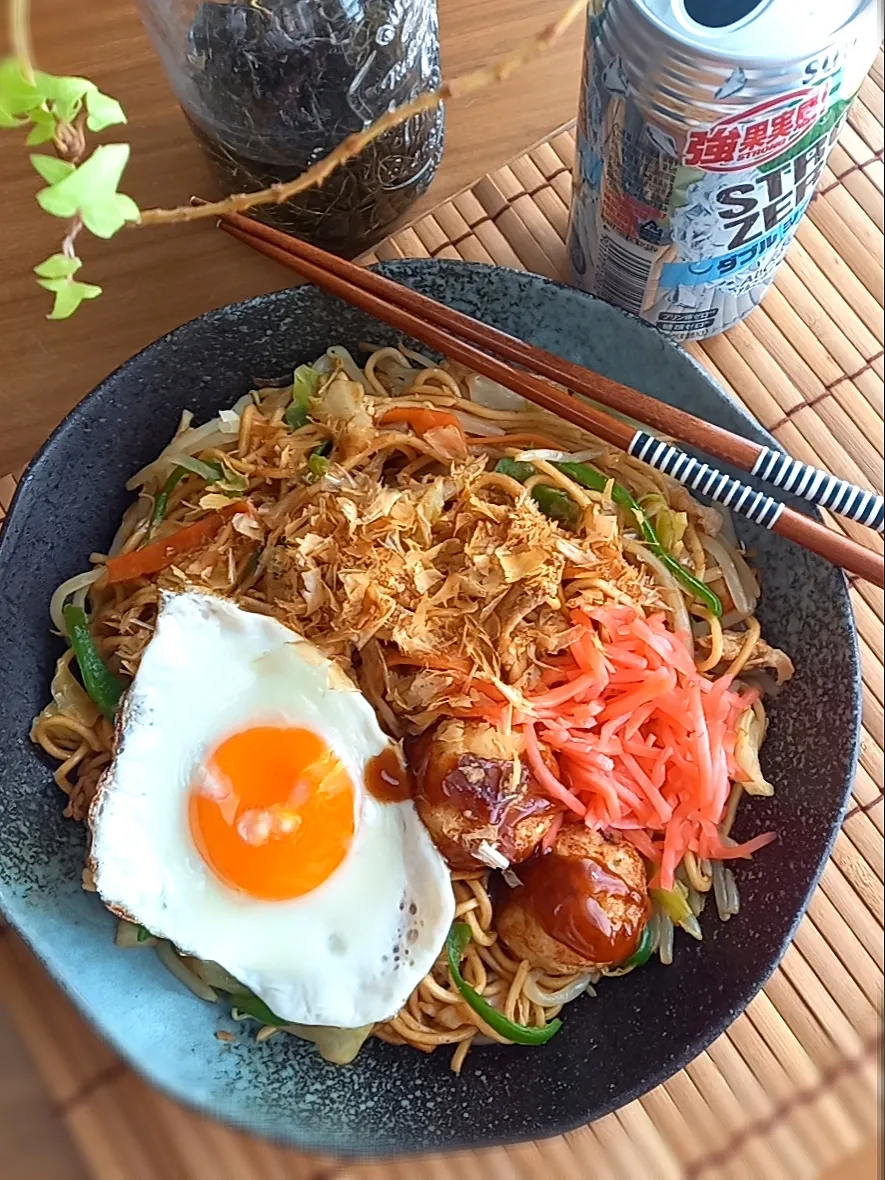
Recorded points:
703,130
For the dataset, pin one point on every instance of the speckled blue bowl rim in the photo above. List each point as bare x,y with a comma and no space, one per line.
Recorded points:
303,1137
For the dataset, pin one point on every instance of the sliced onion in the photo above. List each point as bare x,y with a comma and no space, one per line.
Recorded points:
493,396
732,897
198,467
726,531
229,421
480,426
64,592
179,968
732,619
337,1045
127,936
423,360
562,456
340,354
665,579
665,939
739,578
751,728
719,890
215,976
213,433
539,995
692,926
69,696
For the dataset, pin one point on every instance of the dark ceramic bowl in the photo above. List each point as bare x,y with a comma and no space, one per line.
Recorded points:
640,1029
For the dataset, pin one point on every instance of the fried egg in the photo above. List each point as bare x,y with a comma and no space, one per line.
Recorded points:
238,820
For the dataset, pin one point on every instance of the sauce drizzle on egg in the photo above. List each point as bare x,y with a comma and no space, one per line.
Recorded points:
387,780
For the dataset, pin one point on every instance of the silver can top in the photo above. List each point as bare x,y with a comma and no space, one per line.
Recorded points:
759,30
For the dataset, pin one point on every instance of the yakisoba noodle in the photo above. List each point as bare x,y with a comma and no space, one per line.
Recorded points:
370,460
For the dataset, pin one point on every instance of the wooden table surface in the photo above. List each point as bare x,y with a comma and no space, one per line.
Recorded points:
156,279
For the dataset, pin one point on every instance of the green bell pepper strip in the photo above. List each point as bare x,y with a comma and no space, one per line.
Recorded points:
589,477
642,954
101,684
214,471
162,501
516,469
318,460
252,1006
557,504
553,502
520,1034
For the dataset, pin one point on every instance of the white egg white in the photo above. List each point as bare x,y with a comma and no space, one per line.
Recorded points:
349,952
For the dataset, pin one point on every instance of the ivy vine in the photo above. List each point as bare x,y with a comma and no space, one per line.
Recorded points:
82,182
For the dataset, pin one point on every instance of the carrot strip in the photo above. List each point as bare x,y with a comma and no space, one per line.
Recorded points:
651,792
420,420
558,696
159,555
545,776
662,681
645,742
716,850
641,840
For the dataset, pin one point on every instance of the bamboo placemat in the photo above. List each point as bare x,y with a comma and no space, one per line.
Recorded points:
791,1089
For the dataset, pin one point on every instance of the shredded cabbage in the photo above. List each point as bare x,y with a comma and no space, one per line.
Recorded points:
669,525
681,621
65,591
337,1045
739,578
751,728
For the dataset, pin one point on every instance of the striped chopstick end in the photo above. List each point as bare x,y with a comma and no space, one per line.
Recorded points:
700,477
821,488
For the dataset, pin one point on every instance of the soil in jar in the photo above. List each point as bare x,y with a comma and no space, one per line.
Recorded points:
274,85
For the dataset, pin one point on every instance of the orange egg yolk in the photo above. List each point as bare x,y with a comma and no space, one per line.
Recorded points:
272,812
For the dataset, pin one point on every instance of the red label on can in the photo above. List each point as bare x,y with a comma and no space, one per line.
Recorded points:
759,134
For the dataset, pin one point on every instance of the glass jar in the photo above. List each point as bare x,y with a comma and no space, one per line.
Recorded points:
271,86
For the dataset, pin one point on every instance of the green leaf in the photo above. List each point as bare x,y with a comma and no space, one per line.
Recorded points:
91,191
69,294
17,95
104,111
45,125
51,168
66,94
58,266
7,120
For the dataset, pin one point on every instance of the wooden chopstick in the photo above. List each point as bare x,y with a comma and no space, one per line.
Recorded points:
347,281
771,465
